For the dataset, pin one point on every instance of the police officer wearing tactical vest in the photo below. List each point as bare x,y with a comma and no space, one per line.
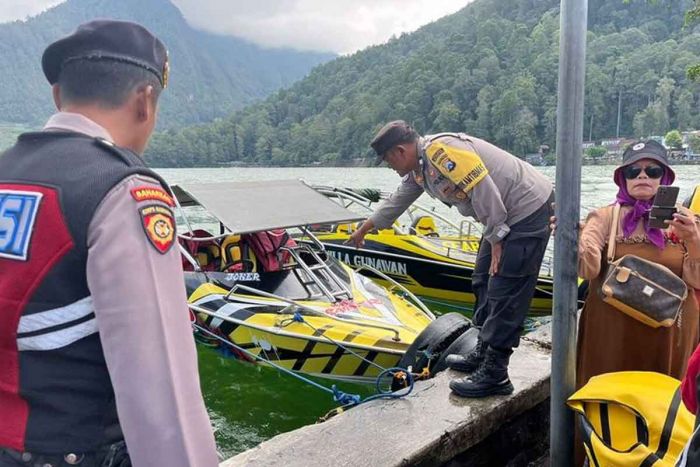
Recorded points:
511,199
97,360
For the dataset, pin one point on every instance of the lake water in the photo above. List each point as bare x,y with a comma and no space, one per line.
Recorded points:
249,404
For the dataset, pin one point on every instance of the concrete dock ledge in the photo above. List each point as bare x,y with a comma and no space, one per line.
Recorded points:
429,427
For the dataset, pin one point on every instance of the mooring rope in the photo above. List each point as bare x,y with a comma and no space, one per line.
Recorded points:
346,400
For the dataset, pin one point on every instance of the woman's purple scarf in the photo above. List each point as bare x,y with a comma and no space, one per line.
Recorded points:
640,210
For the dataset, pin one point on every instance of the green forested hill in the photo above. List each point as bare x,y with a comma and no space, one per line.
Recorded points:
490,69
211,75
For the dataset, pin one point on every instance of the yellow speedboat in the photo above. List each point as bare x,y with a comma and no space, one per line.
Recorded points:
429,255
291,303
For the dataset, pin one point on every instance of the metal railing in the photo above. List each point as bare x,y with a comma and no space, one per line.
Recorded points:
294,305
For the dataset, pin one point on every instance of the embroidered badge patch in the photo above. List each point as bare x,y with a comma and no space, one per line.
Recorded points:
18,210
448,165
152,193
159,224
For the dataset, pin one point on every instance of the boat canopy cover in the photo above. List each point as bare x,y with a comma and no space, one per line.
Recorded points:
245,207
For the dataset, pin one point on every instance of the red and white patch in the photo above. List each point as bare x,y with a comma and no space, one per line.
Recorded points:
159,225
152,193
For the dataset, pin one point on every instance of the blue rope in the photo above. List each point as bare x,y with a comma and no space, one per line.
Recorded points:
345,399
381,393
384,394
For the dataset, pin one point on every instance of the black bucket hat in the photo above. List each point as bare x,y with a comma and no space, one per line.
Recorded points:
648,149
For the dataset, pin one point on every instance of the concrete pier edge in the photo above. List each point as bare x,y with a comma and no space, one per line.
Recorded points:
429,427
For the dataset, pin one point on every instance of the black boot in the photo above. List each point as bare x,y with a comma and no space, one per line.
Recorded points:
491,378
470,362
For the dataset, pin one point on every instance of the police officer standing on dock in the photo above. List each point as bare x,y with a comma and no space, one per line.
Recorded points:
97,360
511,199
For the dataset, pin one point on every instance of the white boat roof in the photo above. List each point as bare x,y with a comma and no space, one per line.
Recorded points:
245,207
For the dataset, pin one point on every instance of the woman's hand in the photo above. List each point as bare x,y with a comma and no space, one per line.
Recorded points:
687,227
553,225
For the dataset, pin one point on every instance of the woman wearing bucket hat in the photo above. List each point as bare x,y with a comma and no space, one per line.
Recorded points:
608,339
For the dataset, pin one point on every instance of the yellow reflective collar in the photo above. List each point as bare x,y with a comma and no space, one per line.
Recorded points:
462,167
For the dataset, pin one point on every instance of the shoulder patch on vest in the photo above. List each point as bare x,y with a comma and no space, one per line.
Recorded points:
159,225
152,193
18,210
462,167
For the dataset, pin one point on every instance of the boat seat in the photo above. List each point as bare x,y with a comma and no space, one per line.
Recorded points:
424,226
236,256
208,257
345,229
395,229
206,253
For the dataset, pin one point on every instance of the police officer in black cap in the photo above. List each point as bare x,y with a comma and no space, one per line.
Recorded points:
97,359
513,202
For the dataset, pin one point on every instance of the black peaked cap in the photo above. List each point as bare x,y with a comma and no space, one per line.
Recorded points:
391,134
105,39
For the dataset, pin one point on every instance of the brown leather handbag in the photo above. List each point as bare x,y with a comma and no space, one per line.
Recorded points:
646,291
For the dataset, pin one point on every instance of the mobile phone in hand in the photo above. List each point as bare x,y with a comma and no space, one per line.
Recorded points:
664,206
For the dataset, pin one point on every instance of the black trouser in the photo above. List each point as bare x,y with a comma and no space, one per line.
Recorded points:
502,301
114,455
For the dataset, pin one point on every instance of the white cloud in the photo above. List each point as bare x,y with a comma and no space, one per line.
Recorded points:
332,25
327,25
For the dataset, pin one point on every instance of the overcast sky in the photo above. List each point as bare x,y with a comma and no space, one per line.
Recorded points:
341,26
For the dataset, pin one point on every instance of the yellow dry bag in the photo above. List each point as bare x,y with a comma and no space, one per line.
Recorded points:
693,202
632,418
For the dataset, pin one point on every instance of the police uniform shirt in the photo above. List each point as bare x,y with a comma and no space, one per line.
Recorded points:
139,299
511,191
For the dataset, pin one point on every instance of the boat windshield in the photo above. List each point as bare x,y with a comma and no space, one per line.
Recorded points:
294,283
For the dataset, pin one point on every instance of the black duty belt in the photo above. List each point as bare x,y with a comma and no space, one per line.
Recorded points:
114,455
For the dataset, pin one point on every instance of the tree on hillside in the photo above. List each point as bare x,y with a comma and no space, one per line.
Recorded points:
655,119
673,139
694,143
692,17
490,70
685,110
596,152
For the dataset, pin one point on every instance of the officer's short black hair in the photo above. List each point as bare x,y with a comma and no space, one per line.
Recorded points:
104,82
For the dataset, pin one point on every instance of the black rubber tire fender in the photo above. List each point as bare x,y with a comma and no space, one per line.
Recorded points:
434,340
460,346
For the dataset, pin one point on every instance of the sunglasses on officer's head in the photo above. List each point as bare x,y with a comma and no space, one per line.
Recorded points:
653,171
